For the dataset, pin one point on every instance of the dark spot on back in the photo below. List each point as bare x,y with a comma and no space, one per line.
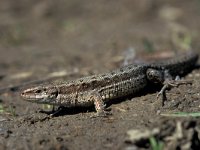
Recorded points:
84,85
129,67
93,77
81,80
112,73
94,81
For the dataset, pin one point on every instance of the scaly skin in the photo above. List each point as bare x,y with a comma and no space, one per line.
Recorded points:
97,89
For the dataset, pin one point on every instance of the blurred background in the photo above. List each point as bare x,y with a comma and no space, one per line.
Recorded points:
46,35
45,40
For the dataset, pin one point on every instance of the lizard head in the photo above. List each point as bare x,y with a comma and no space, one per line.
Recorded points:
41,94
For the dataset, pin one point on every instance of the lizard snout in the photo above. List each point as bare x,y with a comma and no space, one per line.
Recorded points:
40,94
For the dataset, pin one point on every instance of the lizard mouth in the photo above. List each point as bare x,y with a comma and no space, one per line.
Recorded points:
31,95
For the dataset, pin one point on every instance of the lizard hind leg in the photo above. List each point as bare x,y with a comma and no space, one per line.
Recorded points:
164,77
169,84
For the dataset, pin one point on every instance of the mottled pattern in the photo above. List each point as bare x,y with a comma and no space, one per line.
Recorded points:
118,83
96,89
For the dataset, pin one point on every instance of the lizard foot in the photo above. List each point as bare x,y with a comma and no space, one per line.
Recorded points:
169,84
56,112
102,113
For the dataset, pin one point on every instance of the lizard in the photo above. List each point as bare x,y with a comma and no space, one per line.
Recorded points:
96,90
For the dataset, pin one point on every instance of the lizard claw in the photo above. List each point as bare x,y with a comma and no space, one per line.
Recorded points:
170,84
163,95
159,94
101,114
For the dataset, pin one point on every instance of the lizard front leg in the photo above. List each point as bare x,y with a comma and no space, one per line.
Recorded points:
98,103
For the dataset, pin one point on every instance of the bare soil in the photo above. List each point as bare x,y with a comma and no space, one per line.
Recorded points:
79,38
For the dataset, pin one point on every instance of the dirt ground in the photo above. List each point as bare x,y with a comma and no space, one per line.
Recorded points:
53,41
